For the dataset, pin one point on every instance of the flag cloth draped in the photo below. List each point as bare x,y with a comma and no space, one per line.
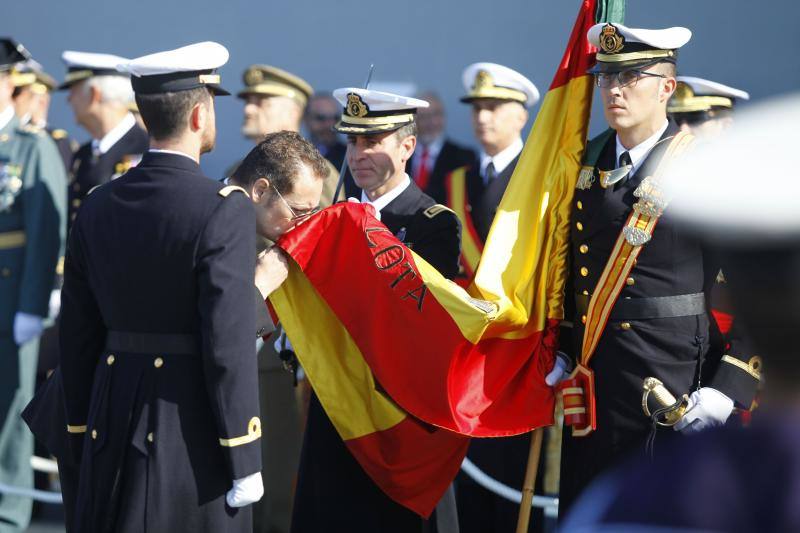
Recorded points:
408,365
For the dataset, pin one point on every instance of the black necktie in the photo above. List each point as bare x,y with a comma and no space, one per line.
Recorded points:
490,172
624,160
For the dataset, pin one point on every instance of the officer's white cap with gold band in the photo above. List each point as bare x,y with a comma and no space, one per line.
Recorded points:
367,112
266,80
490,80
182,69
83,65
696,94
621,48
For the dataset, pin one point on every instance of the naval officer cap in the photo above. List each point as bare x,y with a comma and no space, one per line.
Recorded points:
84,65
693,95
11,53
265,80
490,80
623,48
367,112
182,69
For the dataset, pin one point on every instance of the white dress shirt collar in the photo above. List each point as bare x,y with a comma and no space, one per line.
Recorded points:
111,138
173,152
6,116
639,152
382,201
502,159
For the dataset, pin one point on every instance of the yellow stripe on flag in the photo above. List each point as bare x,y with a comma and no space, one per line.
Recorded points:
333,363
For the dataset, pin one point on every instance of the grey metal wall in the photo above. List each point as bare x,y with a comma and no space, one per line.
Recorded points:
751,45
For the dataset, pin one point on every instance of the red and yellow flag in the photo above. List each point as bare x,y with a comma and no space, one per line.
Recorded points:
408,365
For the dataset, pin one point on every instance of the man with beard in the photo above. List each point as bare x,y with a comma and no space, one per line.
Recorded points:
157,353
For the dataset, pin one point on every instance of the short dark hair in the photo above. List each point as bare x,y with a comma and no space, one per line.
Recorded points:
407,130
278,158
165,114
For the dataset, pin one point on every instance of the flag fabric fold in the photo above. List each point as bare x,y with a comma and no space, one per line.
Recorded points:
407,364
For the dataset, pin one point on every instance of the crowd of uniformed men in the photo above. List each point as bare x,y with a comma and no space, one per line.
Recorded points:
156,407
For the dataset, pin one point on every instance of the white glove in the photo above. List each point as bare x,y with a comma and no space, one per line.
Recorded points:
245,491
27,327
559,372
54,307
707,408
282,343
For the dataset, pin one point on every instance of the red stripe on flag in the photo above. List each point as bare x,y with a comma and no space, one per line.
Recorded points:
411,462
579,55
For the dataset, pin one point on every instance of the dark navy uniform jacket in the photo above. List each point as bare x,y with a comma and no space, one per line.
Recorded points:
334,494
157,350
673,349
89,171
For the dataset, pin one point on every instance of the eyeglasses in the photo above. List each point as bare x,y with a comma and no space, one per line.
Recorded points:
296,217
625,78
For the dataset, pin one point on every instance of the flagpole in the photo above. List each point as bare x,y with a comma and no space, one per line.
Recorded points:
530,480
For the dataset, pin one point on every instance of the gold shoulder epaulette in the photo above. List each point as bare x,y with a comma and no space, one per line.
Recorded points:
434,210
227,190
30,128
59,134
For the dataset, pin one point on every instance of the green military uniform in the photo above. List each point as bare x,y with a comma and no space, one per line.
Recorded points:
32,234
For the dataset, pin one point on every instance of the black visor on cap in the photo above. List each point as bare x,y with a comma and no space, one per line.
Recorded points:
178,81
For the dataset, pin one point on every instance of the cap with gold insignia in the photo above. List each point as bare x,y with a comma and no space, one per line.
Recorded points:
31,74
265,80
696,94
490,80
622,48
367,112
11,53
182,69
83,65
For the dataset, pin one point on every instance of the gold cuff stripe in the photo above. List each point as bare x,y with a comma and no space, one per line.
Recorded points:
369,121
634,56
501,93
698,103
572,390
77,75
752,368
253,433
209,78
76,429
575,411
12,239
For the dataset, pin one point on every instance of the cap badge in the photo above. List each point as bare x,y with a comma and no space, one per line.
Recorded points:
253,76
483,80
356,106
611,42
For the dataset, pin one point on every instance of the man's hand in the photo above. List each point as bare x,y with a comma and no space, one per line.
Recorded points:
27,327
245,491
271,270
707,408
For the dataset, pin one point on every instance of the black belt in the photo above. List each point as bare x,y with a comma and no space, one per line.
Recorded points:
151,343
656,307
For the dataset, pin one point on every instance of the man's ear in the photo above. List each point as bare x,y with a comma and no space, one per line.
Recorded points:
259,189
408,145
198,117
668,88
95,96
